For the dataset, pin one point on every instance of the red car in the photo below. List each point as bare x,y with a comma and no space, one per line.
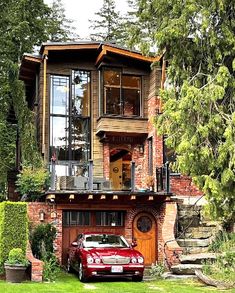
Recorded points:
104,255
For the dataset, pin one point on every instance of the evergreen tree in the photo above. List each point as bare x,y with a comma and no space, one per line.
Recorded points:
197,37
59,28
108,25
23,25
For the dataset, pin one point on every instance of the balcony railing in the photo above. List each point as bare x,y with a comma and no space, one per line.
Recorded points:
87,182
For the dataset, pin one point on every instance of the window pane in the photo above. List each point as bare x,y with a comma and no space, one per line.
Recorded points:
112,77
109,218
59,103
112,97
76,218
131,102
129,81
80,93
59,137
80,139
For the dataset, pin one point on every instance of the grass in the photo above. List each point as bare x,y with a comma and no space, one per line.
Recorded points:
70,284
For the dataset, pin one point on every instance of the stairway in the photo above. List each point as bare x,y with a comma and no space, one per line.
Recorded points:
194,235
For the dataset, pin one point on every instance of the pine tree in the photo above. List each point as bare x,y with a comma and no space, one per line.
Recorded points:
108,25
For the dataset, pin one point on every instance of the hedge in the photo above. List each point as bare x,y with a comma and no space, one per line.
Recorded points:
13,228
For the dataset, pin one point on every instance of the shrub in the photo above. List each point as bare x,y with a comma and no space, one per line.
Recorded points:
50,268
16,256
41,239
157,270
32,182
13,228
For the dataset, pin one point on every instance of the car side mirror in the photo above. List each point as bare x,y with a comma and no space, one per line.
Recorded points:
75,244
134,243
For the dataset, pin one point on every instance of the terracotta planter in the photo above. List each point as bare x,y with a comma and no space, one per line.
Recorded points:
15,273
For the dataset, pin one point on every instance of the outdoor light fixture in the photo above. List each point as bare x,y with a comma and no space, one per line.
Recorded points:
53,214
150,197
115,196
51,197
141,149
103,196
90,196
133,197
71,196
41,215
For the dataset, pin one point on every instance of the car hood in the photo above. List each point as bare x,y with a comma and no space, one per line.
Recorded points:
101,252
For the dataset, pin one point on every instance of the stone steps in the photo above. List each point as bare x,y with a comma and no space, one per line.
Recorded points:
185,269
194,236
197,258
187,242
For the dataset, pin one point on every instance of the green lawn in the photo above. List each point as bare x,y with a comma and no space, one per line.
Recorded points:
70,283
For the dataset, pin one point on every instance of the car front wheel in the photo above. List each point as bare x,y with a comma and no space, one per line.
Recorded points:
81,273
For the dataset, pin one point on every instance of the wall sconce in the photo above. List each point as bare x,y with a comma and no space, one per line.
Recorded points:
150,197
90,196
53,214
115,196
103,196
41,215
51,197
71,196
133,197
141,149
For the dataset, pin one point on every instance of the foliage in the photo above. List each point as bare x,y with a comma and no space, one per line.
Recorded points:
32,182
16,256
223,268
24,24
223,241
108,25
197,39
59,28
41,239
50,268
157,270
13,228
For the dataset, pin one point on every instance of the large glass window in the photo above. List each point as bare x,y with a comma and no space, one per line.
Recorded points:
70,121
121,92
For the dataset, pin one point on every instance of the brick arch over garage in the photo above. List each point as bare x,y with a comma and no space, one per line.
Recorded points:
158,213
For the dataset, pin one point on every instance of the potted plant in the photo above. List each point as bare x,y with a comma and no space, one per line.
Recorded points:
15,266
149,181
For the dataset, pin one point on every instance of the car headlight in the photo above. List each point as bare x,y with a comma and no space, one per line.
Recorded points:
97,260
133,260
140,259
90,260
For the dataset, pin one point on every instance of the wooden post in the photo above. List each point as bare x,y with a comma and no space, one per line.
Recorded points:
90,174
132,176
167,179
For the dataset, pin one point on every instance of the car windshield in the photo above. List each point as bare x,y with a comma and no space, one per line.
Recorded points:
104,240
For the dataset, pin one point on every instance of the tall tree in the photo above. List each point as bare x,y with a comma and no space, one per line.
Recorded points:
59,28
108,25
23,25
197,37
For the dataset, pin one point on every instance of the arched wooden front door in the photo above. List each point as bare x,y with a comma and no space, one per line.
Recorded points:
145,233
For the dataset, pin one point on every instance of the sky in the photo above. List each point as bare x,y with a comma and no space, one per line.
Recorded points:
82,10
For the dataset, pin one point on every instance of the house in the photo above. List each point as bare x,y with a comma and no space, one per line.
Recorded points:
95,105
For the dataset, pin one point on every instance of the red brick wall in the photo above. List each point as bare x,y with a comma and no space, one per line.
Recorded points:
164,218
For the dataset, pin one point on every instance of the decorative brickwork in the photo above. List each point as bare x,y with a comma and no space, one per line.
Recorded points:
171,248
36,266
